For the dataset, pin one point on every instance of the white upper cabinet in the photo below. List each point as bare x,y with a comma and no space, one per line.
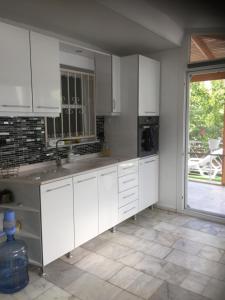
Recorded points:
15,73
115,84
107,70
108,198
45,73
149,85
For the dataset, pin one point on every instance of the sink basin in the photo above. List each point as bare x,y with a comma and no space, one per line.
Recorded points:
84,164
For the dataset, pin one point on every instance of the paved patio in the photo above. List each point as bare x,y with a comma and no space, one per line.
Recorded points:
206,197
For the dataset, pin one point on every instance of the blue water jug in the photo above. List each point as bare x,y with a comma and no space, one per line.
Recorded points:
13,258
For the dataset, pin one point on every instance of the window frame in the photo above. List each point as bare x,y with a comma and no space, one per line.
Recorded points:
50,141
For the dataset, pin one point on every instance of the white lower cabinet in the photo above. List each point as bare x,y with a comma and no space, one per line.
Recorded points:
108,198
85,207
148,181
57,219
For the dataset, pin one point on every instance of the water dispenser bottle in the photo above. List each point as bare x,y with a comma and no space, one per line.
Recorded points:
13,258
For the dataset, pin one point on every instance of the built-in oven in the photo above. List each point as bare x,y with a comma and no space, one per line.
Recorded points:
148,135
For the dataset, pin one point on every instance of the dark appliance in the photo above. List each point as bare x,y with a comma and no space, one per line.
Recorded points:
148,136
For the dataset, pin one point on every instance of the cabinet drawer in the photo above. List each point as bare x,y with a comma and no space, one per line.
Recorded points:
128,196
127,168
128,211
127,182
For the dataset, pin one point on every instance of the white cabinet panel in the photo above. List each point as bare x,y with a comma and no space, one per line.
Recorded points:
115,84
128,211
128,181
127,167
57,219
107,70
15,73
108,198
149,84
85,207
128,196
45,73
148,181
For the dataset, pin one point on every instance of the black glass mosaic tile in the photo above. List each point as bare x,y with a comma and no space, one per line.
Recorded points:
22,141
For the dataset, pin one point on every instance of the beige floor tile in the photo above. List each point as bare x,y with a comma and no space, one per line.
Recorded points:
55,293
150,265
77,254
96,243
173,273
61,273
188,246
33,290
195,282
215,290
211,253
125,277
124,295
152,248
132,259
99,266
114,251
90,287
197,264
144,286
128,228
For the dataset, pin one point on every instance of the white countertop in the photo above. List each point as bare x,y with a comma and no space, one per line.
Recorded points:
46,173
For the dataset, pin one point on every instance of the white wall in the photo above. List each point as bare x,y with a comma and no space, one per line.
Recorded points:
77,61
173,67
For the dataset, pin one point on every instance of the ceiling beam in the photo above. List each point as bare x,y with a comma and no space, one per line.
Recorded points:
208,76
201,45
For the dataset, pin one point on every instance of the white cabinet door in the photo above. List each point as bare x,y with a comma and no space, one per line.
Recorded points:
57,219
115,84
45,73
85,207
149,85
108,198
15,72
148,176
103,75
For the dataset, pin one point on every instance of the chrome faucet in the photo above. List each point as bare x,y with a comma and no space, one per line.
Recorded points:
58,158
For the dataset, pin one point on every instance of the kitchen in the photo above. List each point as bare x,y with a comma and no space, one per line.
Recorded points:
81,137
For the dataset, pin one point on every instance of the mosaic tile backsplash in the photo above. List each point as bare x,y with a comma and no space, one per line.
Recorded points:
22,141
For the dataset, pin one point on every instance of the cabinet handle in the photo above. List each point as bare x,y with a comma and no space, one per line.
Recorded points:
125,168
9,105
105,174
128,196
129,180
149,112
149,161
47,107
58,187
126,211
87,179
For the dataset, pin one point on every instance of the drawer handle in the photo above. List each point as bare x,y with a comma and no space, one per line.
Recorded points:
125,168
129,180
47,107
149,161
8,105
105,174
57,188
87,179
126,211
128,196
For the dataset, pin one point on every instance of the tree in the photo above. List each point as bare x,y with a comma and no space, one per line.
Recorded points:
206,110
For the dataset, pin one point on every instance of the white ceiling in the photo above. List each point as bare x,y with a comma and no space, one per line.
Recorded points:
118,26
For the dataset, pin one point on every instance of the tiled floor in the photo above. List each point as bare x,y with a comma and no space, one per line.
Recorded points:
206,197
160,256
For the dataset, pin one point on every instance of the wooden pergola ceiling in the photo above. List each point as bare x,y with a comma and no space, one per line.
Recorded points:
207,47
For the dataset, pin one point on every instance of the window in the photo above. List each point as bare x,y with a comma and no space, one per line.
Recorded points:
78,109
207,48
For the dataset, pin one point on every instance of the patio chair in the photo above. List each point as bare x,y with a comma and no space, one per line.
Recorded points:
210,165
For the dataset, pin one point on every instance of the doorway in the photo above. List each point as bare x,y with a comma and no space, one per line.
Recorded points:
205,142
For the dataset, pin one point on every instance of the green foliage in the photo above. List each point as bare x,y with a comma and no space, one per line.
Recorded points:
206,110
